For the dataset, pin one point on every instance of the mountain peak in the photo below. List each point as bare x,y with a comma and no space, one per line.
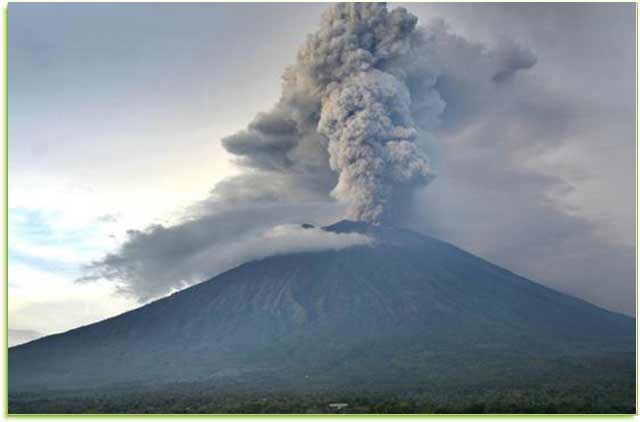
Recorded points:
350,226
388,235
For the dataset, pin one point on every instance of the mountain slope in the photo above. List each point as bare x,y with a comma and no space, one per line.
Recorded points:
407,311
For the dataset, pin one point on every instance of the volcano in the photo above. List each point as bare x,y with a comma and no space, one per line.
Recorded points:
405,312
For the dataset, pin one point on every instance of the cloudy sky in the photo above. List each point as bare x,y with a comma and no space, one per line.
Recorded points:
130,175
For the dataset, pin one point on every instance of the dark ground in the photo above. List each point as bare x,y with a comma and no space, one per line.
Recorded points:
562,397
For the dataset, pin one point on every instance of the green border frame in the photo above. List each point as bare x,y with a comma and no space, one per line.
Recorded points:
325,415
5,204
5,262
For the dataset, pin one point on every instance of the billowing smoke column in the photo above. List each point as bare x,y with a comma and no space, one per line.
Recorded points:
348,93
371,141
365,106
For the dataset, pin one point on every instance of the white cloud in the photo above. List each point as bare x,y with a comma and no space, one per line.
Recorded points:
278,240
48,303
16,337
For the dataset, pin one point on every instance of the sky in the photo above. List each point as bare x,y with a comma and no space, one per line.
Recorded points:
126,182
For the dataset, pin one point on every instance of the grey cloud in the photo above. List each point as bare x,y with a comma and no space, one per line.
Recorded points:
277,240
216,235
511,57
263,187
497,193
491,198
518,224
487,115
361,101
267,142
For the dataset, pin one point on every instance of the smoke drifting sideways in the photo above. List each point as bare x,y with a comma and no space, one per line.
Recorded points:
349,137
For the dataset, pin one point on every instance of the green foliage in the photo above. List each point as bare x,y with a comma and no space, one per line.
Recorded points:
562,397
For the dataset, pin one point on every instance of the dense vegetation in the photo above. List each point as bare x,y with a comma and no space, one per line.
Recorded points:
612,398
588,386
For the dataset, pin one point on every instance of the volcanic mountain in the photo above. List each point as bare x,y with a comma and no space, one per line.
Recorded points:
404,312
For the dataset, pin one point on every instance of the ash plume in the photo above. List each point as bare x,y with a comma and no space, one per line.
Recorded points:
348,94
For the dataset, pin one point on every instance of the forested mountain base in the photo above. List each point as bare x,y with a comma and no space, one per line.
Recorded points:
588,393
616,399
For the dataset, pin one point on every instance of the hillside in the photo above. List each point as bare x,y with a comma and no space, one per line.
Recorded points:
405,314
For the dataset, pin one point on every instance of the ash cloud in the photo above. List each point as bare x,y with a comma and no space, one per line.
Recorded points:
482,116
525,164
511,57
214,236
362,97
194,251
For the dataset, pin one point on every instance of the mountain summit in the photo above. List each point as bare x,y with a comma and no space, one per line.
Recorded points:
405,312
